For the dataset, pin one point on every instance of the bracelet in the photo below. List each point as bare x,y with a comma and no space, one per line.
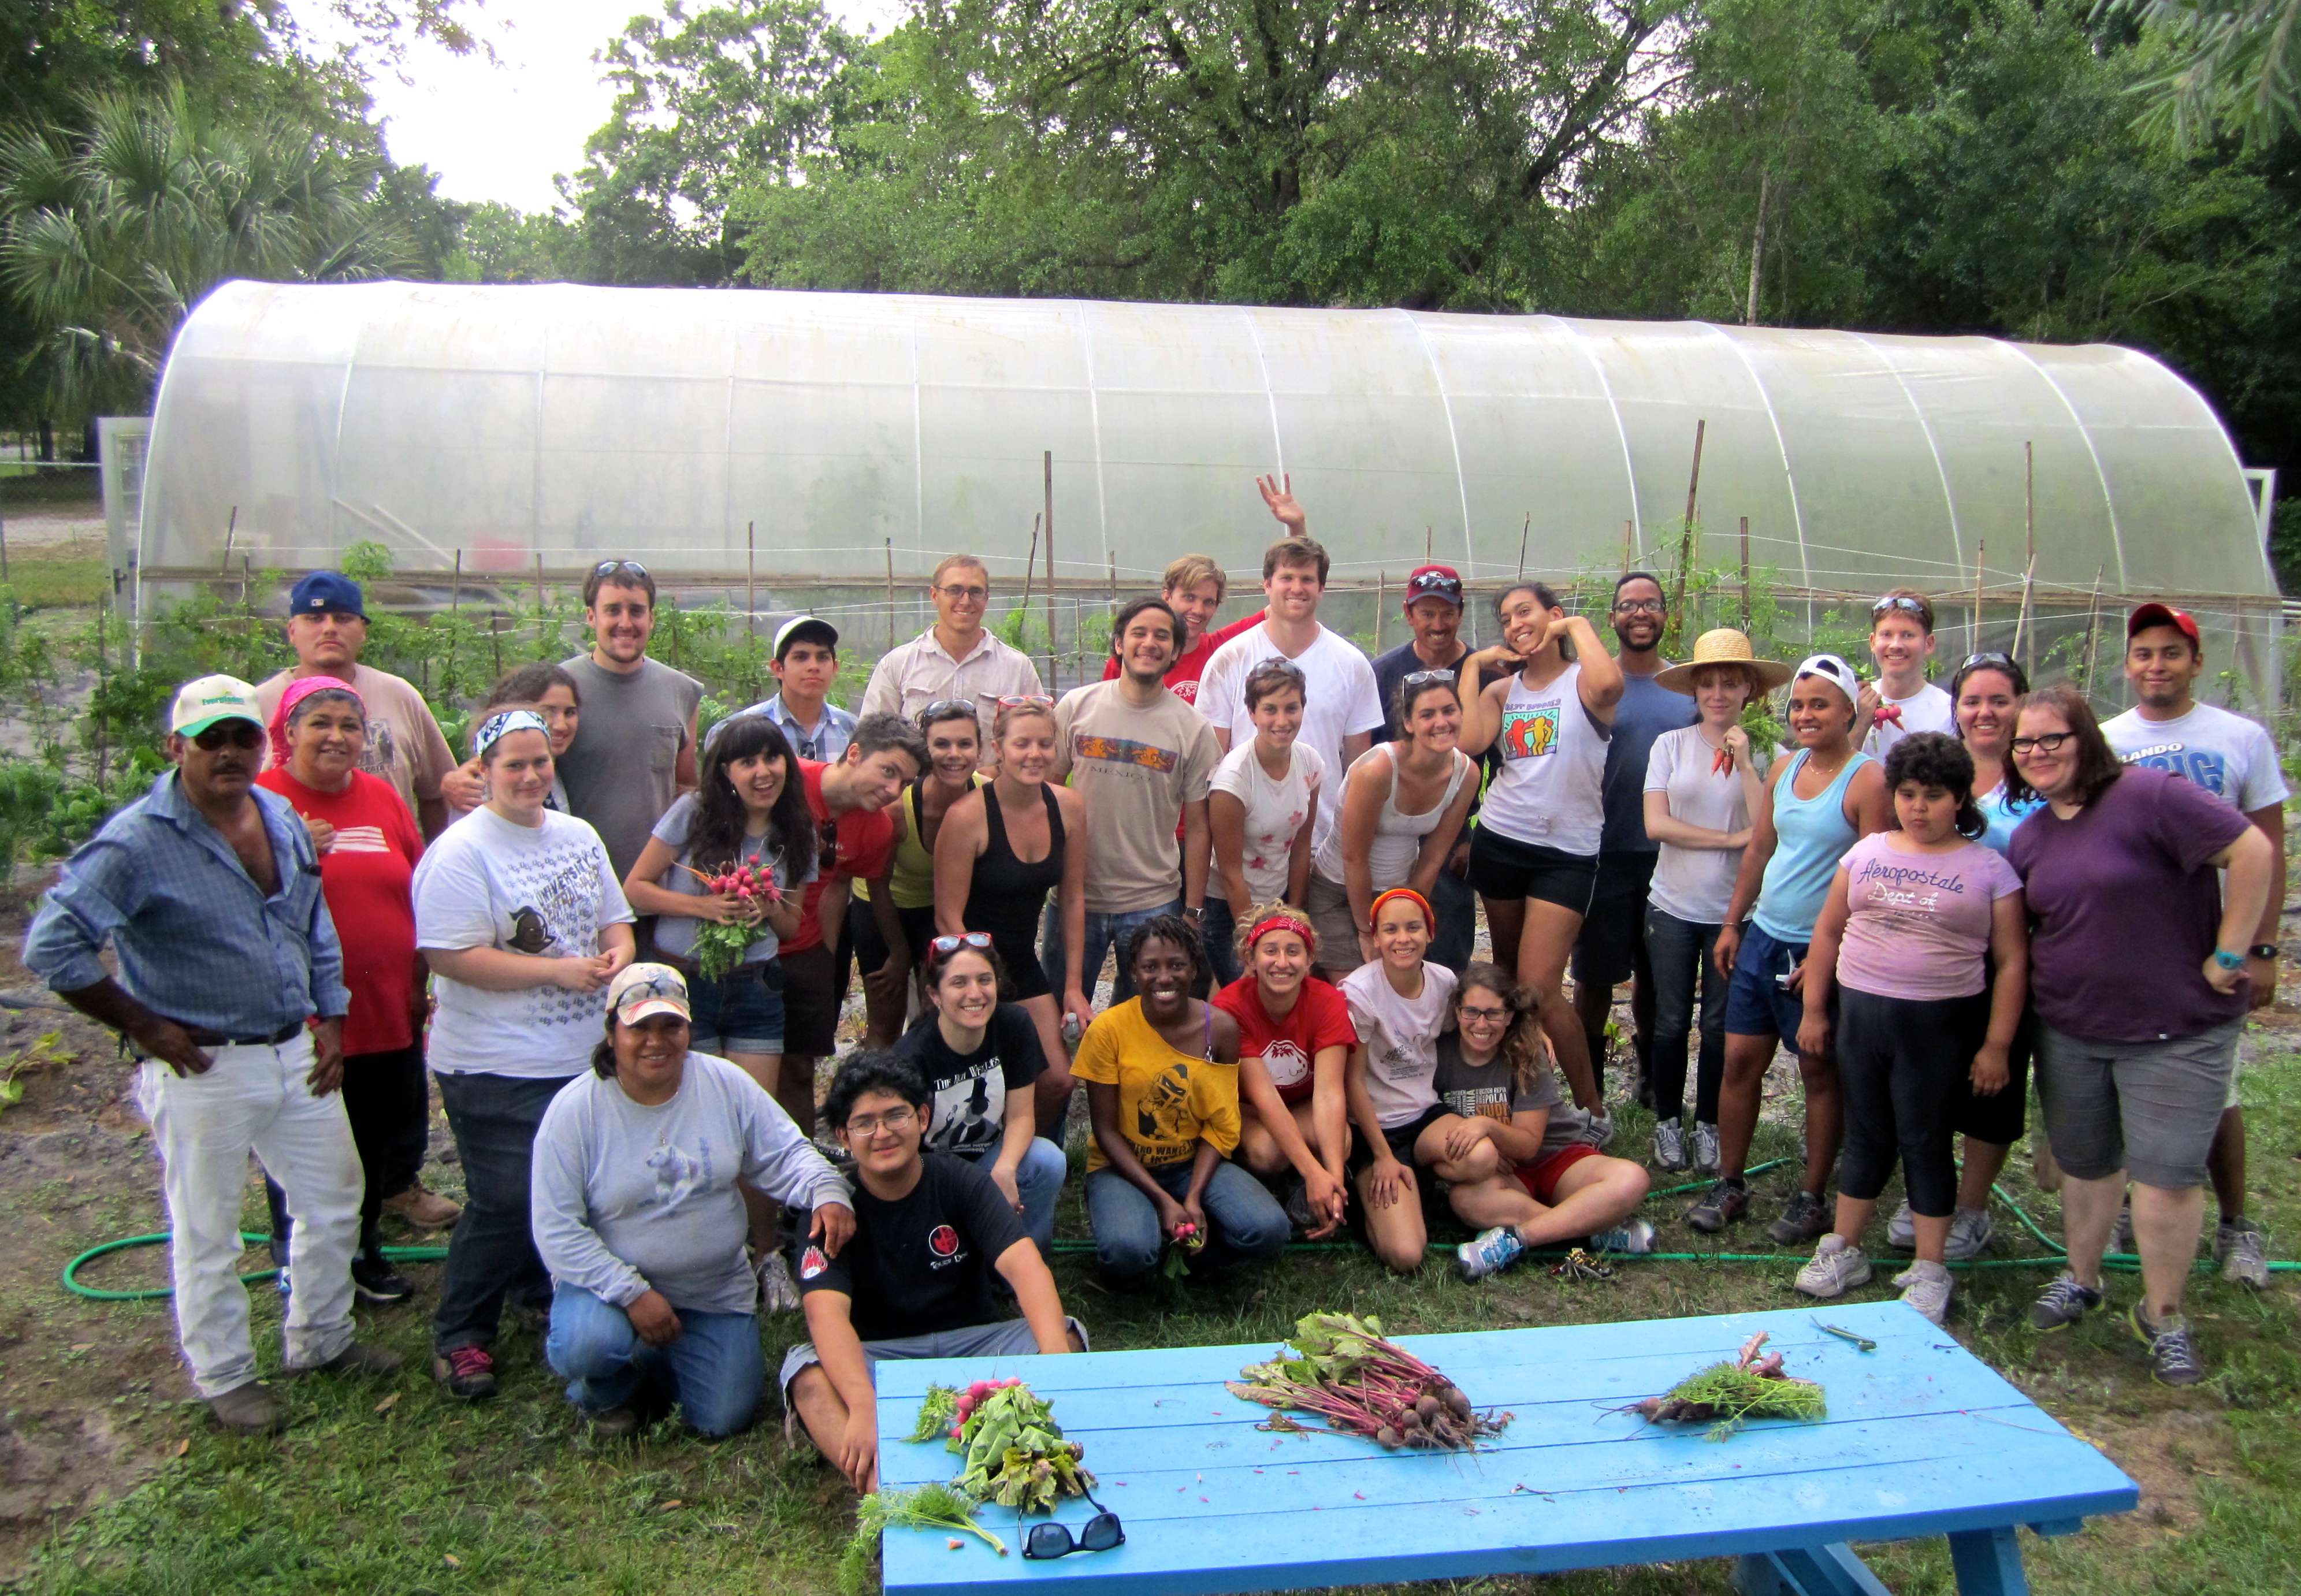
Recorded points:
2227,960
2268,950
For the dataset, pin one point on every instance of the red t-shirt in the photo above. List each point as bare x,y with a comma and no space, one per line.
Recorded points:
859,842
1320,1018
1183,675
365,877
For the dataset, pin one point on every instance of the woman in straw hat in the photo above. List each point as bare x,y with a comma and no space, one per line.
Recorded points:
1703,784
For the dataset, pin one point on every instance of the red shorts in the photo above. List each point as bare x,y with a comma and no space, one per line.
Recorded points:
1541,1177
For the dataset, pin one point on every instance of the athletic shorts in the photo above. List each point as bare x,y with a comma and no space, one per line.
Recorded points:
1612,943
1504,869
2000,1119
1755,1003
1400,1138
871,947
2149,1108
813,996
1540,1178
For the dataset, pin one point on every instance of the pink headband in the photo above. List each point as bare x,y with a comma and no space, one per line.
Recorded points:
296,693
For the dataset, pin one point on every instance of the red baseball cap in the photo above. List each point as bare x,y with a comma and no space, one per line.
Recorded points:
1433,582
2163,615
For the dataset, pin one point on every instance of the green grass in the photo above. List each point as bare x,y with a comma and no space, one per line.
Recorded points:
57,575
427,1495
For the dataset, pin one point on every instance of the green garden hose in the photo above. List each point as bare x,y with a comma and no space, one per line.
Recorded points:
2057,1256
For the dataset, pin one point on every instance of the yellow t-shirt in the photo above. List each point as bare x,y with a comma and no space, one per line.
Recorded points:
1168,1100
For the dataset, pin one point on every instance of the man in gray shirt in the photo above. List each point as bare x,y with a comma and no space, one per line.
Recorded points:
634,749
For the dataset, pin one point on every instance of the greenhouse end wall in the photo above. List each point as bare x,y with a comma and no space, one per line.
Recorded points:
800,439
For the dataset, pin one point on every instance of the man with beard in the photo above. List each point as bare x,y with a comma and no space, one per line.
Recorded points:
1193,590
208,890
1612,946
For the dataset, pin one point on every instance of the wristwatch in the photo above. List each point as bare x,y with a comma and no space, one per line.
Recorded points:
1193,912
2267,950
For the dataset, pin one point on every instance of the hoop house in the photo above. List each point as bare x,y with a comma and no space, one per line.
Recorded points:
843,436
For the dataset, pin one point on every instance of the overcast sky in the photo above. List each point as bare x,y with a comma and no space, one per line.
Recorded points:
502,132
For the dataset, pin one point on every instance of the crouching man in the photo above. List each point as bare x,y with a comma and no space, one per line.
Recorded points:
915,1280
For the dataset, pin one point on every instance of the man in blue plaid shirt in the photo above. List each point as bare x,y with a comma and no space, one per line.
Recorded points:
208,890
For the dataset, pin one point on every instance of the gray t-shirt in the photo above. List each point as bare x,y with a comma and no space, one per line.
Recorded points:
623,769
627,1196
675,933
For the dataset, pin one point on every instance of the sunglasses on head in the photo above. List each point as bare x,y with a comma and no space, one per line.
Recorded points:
1101,1533
1895,601
1016,700
1975,662
610,567
940,948
1431,583
951,707
1414,678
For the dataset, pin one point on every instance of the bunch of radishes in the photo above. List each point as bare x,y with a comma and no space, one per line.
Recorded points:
973,1397
745,882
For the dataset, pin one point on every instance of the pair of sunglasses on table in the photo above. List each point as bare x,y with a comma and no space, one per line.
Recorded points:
1101,1533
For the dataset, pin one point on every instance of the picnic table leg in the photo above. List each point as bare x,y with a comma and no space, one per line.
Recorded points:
1988,1562
1832,1570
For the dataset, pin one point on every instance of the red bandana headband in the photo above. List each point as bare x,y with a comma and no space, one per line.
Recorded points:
1293,920
295,694
1429,920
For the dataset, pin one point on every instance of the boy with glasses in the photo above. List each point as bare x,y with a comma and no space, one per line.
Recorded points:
2234,759
1901,700
956,657
634,747
916,1280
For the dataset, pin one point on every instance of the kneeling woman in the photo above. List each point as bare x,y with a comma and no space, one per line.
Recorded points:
980,1058
637,1217
1399,1006
1557,1190
1161,1076
1294,1047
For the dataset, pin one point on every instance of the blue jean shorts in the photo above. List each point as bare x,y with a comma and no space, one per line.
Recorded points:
1755,1003
741,1012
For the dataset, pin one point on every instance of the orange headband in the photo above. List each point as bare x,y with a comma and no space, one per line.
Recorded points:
1293,920
1429,920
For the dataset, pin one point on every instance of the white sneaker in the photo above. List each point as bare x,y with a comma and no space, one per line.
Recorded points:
1969,1230
778,1293
1669,1146
1633,1236
1926,1287
1901,1228
1705,1148
1833,1269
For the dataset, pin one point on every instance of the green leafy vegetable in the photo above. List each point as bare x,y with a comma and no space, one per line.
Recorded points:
926,1508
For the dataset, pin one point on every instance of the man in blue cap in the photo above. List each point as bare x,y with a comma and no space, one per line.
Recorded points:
327,627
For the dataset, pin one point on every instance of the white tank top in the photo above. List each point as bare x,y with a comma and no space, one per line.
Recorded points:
1549,790
1397,838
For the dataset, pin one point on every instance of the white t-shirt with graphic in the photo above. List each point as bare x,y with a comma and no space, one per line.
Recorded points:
1401,1037
1275,811
1928,709
1339,699
547,889
2227,754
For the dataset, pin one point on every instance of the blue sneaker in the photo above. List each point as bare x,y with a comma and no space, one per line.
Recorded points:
1490,1253
1631,1236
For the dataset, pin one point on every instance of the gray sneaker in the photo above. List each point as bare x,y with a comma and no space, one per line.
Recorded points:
1669,1146
1969,1231
2064,1303
1926,1287
1901,1228
2172,1352
1719,1207
777,1293
2244,1259
1705,1148
1833,1269
1801,1220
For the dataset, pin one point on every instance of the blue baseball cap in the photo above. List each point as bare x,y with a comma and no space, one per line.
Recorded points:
326,591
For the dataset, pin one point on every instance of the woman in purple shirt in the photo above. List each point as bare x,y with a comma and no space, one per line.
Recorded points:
2138,970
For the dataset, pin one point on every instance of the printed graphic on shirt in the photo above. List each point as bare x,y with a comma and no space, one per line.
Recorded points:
1396,1059
1124,750
381,758
359,839
1529,734
1285,1062
1187,691
971,1111
812,1262
1474,1102
529,934
1158,1115
558,891
1271,846
943,1248
1905,890
678,1174
2204,766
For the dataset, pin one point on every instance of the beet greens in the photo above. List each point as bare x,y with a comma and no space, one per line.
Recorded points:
1345,1372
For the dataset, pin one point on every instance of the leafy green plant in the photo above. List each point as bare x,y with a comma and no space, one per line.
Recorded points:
926,1508
46,1049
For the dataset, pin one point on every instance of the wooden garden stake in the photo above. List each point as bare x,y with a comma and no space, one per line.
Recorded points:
1031,564
890,594
1048,463
456,589
1981,554
1381,601
1685,537
751,589
1746,573
1523,533
2093,630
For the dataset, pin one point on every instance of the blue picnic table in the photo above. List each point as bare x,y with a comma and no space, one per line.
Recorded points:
1921,1439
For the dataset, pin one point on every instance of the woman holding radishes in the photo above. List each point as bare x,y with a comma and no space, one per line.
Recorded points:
727,858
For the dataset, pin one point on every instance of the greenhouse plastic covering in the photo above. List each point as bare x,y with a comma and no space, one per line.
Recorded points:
680,427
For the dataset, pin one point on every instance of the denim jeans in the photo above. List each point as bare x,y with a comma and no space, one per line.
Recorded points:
1682,953
492,1252
1455,902
1218,932
1038,1182
1246,1220
713,1369
1104,933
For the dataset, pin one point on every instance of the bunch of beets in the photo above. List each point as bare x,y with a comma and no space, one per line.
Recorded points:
719,950
1346,1373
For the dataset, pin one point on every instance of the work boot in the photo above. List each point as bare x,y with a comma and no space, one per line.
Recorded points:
251,1409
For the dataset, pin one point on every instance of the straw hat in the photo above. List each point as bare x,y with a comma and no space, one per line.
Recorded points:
1723,647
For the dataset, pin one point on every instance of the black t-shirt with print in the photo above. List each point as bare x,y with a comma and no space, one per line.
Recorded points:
1470,1089
970,1090
925,1264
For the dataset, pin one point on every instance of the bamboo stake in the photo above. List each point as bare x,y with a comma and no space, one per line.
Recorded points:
1523,533
1110,563
2024,645
1426,544
1381,604
231,526
1981,554
1047,462
751,589
495,641
1628,531
1746,573
1031,563
1685,537
2029,551
2093,631
890,594
455,591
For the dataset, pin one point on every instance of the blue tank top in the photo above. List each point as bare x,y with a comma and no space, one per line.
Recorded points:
1814,835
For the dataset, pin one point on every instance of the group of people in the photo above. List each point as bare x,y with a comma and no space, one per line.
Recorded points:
622,948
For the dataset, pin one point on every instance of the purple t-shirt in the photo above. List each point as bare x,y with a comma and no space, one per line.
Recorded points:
1919,929
2125,907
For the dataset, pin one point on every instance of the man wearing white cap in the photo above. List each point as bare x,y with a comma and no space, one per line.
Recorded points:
208,890
807,668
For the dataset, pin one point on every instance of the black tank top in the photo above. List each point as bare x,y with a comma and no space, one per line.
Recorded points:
1007,894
